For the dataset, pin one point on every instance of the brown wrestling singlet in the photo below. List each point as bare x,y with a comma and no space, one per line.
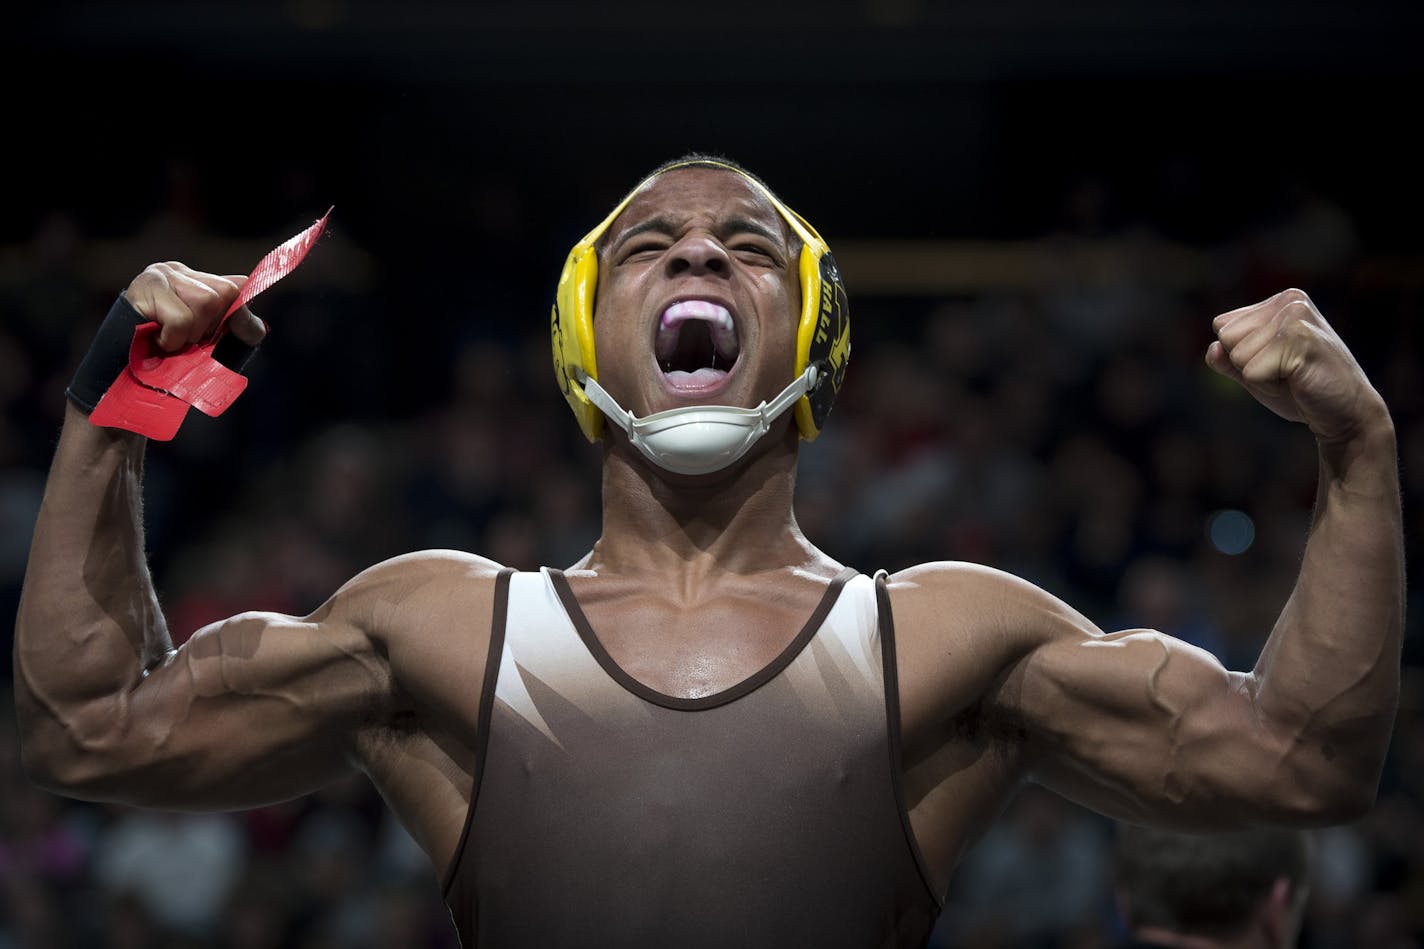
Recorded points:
769,814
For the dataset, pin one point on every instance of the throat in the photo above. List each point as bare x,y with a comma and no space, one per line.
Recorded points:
740,518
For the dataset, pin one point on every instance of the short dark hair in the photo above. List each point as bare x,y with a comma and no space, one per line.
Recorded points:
707,160
1205,884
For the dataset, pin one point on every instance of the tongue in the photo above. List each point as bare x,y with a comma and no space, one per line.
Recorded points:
698,379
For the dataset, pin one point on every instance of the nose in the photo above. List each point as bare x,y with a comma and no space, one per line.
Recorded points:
697,255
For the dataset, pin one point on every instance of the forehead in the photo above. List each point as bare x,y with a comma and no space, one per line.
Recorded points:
692,195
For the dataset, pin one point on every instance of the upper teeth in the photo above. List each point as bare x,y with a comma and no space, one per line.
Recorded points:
716,316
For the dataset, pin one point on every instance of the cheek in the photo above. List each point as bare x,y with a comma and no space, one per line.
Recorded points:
617,334
611,344
784,299
612,322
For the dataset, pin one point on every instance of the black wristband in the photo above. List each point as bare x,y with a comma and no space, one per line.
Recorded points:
233,352
109,354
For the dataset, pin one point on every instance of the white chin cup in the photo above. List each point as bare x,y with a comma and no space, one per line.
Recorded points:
698,439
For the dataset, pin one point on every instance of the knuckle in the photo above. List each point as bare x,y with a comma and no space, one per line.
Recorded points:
1297,321
154,276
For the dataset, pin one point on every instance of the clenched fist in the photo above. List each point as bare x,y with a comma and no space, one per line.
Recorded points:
1289,358
188,305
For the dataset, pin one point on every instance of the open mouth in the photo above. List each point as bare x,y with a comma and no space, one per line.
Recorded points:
696,344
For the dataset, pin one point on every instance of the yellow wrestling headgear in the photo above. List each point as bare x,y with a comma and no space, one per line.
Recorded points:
822,337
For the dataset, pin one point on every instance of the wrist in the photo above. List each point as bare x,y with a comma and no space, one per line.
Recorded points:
1368,445
107,356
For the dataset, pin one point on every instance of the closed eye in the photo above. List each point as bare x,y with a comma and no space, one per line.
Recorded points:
642,248
756,254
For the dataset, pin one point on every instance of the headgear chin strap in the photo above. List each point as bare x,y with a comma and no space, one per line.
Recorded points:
699,439
822,352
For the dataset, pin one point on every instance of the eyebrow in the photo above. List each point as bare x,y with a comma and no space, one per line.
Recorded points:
662,224
746,225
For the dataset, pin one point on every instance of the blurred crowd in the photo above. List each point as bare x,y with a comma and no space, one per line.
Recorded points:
1064,429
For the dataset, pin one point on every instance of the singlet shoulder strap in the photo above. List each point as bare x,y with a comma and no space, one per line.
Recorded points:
498,622
892,719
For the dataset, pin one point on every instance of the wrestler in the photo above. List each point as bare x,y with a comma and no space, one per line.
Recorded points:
707,732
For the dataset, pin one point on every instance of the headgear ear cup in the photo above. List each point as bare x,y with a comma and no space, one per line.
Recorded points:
822,338
823,341
571,324
571,332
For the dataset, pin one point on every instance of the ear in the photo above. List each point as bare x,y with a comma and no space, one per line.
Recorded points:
1276,915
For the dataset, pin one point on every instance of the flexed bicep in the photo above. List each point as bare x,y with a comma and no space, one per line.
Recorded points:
256,708
1135,724
1148,728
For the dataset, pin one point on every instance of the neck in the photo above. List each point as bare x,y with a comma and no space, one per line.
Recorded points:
739,520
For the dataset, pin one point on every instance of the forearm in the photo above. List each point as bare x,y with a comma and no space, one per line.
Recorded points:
1328,679
89,623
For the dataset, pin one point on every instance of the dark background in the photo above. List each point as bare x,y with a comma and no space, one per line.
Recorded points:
1038,208
893,117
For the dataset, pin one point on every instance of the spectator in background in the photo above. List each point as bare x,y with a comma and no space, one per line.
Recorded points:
1243,890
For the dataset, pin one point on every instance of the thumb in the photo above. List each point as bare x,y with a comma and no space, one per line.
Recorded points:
243,324
247,327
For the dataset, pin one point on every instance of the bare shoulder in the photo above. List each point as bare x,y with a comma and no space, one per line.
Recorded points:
430,614
412,594
944,600
962,628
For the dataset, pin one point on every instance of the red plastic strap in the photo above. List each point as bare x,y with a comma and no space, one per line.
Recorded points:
279,262
191,374
131,405
152,395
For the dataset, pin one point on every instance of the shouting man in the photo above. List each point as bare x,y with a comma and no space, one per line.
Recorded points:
707,732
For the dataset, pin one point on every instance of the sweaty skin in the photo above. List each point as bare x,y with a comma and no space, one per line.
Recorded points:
1000,681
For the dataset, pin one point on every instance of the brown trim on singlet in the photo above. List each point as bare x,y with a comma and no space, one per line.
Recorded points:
482,724
730,694
892,718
